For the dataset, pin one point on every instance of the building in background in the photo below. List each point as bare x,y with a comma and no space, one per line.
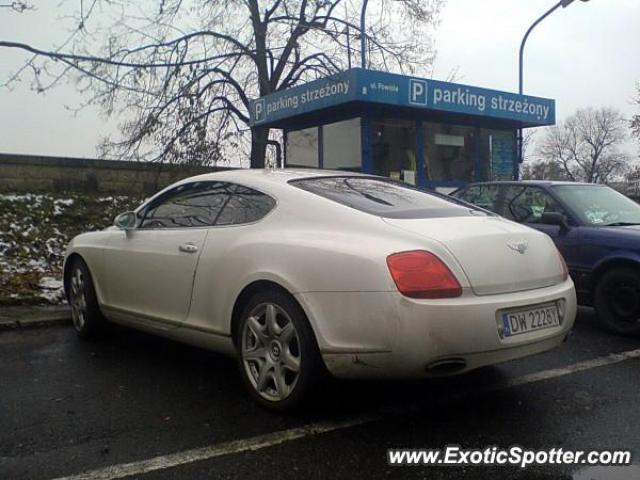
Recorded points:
424,132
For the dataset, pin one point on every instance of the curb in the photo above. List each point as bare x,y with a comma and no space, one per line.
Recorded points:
17,318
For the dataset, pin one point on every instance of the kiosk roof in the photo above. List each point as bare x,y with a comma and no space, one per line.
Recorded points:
356,91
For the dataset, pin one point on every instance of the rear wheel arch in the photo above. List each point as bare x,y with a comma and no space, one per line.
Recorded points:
278,356
247,293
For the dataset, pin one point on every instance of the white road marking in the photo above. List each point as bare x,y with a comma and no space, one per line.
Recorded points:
226,448
610,359
259,442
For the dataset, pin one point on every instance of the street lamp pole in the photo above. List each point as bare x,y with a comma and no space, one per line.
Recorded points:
561,3
363,36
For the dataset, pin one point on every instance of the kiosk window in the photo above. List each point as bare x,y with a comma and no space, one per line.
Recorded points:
341,145
302,148
394,149
449,152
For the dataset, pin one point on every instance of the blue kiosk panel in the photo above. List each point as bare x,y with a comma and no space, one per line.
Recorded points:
432,109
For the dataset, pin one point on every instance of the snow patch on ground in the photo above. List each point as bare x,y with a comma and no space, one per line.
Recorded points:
34,232
52,289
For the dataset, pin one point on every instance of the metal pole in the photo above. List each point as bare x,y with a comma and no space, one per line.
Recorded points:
346,15
563,4
348,48
363,35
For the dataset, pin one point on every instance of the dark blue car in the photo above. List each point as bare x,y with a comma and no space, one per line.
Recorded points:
596,229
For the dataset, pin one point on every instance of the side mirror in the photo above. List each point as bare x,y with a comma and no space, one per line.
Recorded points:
126,221
555,218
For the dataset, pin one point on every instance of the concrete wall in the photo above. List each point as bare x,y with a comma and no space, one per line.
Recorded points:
28,173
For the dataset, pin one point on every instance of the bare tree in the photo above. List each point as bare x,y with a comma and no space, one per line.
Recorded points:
534,168
528,142
635,120
182,71
17,6
542,170
633,175
586,146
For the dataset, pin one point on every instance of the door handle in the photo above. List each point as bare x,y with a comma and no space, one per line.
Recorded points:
188,248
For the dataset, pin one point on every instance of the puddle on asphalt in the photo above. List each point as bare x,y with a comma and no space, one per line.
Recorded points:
608,473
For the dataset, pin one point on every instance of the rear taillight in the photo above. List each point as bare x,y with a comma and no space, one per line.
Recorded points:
420,274
565,270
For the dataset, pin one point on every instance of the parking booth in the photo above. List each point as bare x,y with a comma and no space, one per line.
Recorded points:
420,131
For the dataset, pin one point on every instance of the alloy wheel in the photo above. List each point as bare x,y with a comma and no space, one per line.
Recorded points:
271,352
78,299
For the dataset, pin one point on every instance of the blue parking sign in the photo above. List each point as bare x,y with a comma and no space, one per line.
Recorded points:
417,91
259,113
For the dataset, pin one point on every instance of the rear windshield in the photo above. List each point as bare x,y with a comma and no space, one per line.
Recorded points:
386,198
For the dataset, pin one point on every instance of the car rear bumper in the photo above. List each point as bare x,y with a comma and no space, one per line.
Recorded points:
386,335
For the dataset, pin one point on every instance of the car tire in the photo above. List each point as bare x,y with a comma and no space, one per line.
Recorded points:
278,355
88,320
617,300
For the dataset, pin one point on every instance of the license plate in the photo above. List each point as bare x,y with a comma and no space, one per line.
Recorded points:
531,319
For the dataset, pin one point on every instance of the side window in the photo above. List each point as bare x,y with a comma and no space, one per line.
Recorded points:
191,205
528,204
245,206
510,193
484,196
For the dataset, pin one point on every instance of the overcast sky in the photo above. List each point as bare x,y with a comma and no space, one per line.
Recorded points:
585,54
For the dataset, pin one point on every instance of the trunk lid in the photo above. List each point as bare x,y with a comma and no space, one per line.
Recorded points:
497,256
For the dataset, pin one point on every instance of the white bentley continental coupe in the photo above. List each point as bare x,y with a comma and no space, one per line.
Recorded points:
300,272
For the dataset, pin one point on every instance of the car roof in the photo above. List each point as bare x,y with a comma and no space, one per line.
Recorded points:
272,180
269,175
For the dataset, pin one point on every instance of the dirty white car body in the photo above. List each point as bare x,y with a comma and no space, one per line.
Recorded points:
332,259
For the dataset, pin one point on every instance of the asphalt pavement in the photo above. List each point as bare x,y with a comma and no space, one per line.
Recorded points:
137,406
